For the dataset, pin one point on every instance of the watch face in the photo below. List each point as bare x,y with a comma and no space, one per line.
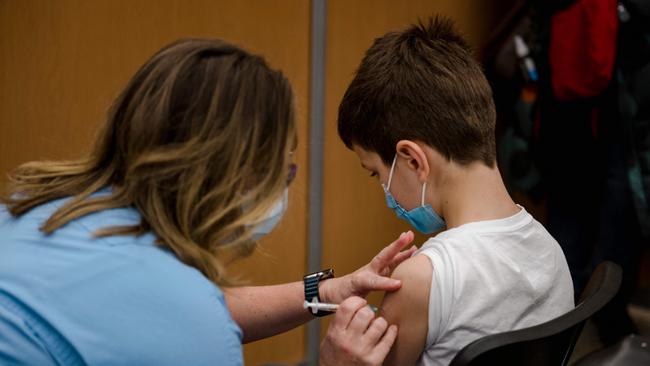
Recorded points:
313,275
328,273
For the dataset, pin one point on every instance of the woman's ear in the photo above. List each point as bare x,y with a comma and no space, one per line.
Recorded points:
415,157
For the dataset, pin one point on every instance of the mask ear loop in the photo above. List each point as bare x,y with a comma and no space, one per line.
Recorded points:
390,175
424,189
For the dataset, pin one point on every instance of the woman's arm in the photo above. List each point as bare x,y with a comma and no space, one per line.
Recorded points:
264,311
408,308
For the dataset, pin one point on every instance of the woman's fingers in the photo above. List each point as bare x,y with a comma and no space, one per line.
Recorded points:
387,255
366,340
376,330
361,320
379,353
402,256
346,312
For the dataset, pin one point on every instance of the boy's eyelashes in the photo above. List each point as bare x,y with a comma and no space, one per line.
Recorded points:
373,174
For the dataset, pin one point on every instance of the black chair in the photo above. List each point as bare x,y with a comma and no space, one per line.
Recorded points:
549,343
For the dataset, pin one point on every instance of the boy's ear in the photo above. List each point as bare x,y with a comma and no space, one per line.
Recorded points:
415,157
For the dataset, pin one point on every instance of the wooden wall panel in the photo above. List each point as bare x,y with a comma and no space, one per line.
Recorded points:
62,63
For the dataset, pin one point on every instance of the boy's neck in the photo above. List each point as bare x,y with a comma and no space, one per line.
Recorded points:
474,193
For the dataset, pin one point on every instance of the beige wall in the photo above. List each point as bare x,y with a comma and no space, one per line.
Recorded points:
62,63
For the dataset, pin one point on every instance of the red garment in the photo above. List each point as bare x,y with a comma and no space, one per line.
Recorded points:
583,48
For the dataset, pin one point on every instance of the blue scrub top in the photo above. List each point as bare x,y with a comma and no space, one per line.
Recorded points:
71,299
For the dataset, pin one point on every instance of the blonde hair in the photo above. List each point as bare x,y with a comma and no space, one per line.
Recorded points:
198,142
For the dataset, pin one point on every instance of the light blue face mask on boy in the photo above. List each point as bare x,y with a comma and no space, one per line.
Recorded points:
424,219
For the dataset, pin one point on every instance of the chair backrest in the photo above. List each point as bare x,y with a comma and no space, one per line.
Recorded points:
549,343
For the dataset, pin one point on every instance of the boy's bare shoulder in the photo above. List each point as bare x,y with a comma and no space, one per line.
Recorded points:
415,274
417,268
408,309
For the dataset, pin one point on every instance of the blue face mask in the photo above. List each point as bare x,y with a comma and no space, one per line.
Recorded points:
273,217
424,219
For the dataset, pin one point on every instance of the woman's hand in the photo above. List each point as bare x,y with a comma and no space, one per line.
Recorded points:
374,276
263,311
356,337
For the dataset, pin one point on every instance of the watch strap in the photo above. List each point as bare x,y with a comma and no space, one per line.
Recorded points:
311,282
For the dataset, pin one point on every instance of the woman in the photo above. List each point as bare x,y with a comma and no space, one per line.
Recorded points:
119,258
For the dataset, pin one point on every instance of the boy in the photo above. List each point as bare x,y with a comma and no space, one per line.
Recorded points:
420,116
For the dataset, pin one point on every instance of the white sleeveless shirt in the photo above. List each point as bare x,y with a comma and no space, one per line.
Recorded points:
491,277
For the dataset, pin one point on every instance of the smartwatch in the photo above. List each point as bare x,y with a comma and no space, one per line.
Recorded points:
311,282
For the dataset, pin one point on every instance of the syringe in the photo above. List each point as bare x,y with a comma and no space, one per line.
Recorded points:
315,306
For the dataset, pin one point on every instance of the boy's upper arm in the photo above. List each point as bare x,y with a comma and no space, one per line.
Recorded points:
408,308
